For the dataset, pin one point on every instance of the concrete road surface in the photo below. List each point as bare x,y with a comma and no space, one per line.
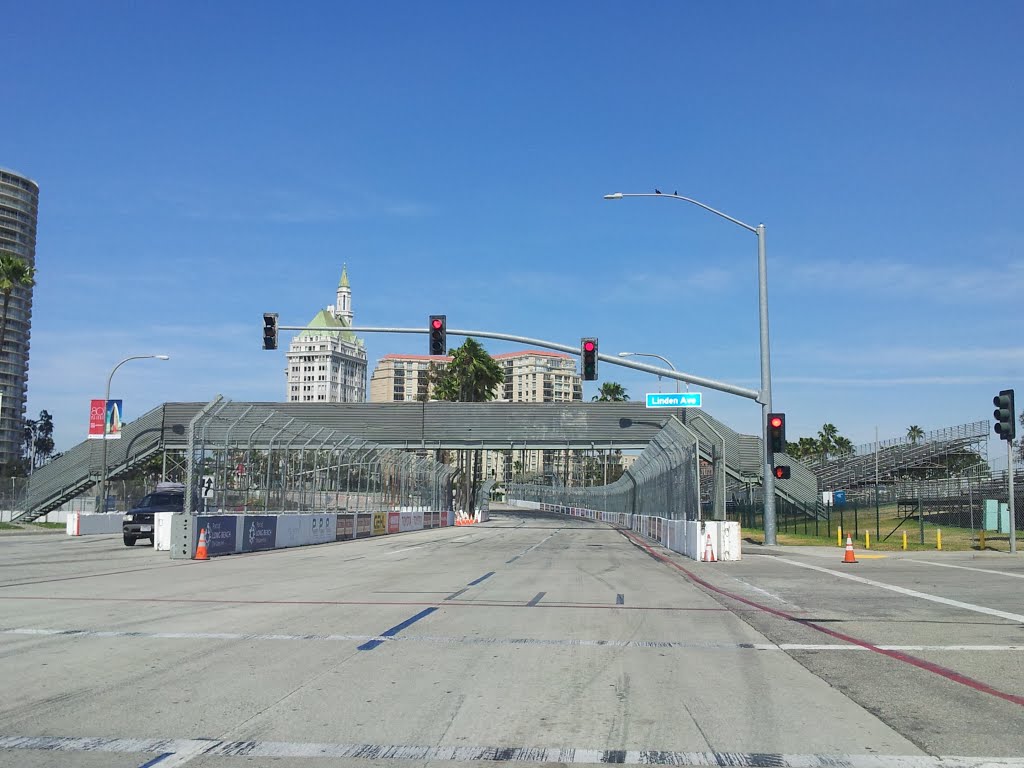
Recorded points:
533,638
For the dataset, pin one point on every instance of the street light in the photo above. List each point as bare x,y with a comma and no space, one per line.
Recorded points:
765,395
663,359
106,399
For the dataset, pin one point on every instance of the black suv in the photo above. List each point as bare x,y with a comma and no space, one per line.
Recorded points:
138,522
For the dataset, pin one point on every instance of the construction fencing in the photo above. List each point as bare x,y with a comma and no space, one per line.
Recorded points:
249,458
663,482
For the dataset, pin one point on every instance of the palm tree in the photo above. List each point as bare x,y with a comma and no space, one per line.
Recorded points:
827,439
473,376
15,272
914,433
843,445
611,392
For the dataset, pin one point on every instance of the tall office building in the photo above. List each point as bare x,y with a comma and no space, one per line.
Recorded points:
328,366
19,210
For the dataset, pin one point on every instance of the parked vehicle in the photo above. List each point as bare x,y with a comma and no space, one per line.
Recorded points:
138,522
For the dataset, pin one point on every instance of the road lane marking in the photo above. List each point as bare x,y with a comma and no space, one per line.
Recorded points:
369,645
536,599
967,568
1015,617
620,599
519,641
482,578
465,754
528,551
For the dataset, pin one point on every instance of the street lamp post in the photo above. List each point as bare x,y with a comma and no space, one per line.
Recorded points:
106,399
665,360
765,395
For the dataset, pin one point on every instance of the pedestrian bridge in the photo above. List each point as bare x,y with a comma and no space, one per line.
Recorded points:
180,430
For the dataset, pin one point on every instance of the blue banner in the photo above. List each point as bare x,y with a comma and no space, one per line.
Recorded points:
220,533
259,532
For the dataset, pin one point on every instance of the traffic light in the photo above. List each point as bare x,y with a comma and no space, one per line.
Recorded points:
270,330
1005,415
588,354
782,471
776,432
438,330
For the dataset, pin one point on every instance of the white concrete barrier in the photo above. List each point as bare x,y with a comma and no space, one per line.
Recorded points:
162,531
82,524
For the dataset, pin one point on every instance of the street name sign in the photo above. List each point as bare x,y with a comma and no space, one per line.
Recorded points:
674,400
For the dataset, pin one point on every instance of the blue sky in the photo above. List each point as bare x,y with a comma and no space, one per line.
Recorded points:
201,163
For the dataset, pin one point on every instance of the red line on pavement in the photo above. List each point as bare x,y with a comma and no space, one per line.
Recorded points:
439,604
928,666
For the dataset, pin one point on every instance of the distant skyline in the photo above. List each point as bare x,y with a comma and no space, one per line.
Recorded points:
200,165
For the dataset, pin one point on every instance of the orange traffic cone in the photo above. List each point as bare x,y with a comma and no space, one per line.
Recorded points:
709,551
848,557
201,548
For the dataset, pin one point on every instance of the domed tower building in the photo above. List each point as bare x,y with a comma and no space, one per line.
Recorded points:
327,365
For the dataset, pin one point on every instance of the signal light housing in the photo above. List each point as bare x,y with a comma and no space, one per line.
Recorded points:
1005,415
782,471
588,358
776,432
438,332
270,330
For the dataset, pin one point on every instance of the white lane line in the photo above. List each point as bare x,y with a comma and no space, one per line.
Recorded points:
967,568
1015,617
528,551
519,641
270,749
768,594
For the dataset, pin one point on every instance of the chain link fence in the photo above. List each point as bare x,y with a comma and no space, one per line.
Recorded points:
662,482
248,458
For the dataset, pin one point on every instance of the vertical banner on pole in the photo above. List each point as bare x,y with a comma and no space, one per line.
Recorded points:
105,412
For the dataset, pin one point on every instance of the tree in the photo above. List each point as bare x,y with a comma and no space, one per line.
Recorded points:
843,445
37,440
611,392
15,272
473,376
914,433
827,440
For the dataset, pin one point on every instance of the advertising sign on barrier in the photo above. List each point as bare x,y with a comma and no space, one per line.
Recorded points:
346,528
259,532
364,525
220,533
405,522
380,523
394,522
289,531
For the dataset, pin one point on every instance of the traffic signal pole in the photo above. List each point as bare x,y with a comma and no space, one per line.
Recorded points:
1013,517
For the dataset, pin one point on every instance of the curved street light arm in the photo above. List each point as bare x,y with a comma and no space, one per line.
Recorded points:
698,203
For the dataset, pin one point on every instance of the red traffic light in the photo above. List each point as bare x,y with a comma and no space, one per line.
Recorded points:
589,346
776,422
436,323
782,471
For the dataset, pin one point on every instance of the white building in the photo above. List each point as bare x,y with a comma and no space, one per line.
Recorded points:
328,366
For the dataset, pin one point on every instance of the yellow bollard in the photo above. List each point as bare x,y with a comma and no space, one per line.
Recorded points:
867,539
938,539
981,539
839,535
904,539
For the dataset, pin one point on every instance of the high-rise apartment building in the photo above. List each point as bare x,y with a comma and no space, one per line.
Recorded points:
19,210
328,366
531,376
401,378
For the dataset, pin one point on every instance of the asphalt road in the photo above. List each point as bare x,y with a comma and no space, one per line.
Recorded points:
532,638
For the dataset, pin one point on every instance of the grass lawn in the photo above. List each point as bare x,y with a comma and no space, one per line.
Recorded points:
953,538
